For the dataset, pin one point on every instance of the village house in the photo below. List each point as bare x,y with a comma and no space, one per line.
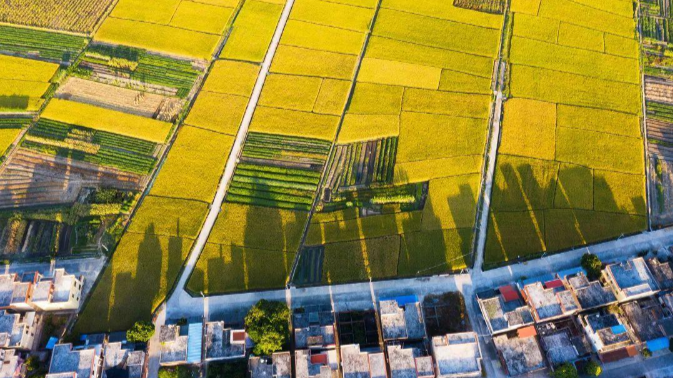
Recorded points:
630,279
457,355
69,363
313,364
519,351
119,362
402,319
224,343
608,336
17,331
362,364
549,299
504,310
279,365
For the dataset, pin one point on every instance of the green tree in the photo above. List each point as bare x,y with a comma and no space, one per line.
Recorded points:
142,331
566,370
592,265
593,369
267,324
647,353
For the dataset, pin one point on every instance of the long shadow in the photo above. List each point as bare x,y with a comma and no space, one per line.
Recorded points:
14,102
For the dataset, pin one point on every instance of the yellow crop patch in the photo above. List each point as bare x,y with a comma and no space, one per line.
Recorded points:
360,127
368,227
160,11
454,104
324,38
14,68
300,61
252,31
530,7
616,192
440,9
370,258
169,217
231,77
107,120
201,17
197,157
599,120
571,60
7,138
571,89
575,188
451,202
17,95
239,225
583,38
389,49
419,141
218,112
157,38
523,184
290,92
529,129
607,151
332,97
579,14
435,32
397,73
542,29
294,123
627,47
332,14
424,170
461,82
376,99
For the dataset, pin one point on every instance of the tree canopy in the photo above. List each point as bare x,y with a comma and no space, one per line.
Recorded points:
142,331
593,369
267,324
566,370
592,265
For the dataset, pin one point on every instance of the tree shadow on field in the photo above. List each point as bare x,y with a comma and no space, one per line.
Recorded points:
14,102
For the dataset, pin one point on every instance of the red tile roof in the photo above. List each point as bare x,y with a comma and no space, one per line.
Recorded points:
553,284
526,332
238,335
509,293
319,359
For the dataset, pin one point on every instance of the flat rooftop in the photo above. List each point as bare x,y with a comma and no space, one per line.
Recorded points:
550,302
173,344
6,289
122,363
520,355
662,273
313,327
559,348
219,343
591,294
315,365
646,318
9,363
632,276
401,322
457,353
357,364
402,361
609,329
503,315
66,360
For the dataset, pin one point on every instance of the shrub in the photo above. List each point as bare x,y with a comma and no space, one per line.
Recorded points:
592,265
647,353
142,331
566,370
267,324
593,369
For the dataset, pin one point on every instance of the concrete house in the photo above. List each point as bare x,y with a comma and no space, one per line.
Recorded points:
17,331
504,310
279,365
69,363
662,273
313,328
590,294
608,336
173,339
360,364
563,340
549,300
15,294
11,364
519,352
122,363
649,322
630,280
62,292
409,363
457,355
224,343
402,319
312,364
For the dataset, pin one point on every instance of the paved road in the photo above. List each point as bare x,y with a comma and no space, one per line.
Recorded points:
216,205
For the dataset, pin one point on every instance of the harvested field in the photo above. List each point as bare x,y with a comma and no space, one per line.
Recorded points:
31,179
80,16
120,99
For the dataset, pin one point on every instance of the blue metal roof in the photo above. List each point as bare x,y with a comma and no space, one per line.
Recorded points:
618,329
570,272
194,343
51,343
658,344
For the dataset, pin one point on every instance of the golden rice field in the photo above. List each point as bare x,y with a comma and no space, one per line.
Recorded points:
80,16
23,82
570,165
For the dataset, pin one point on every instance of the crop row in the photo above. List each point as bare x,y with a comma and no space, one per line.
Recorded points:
48,45
660,111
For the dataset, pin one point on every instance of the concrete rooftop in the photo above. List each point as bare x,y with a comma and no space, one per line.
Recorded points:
520,355
591,294
66,360
632,276
219,344
457,353
402,322
122,363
